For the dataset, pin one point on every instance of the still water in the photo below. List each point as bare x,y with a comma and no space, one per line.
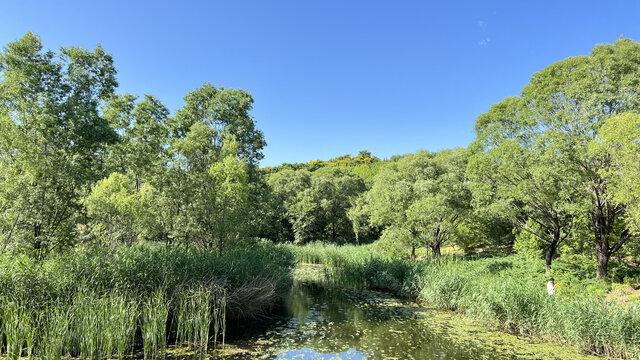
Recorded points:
332,323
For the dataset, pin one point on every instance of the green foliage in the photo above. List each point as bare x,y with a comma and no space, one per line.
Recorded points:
154,325
620,136
53,137
534,157
509,292
119,212
314,205
93,303
143,136
527,244
424,195
364,164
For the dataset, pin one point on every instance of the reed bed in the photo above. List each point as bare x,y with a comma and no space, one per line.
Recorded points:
98,304
508,292
334,255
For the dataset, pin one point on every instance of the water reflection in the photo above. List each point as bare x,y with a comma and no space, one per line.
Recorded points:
330,323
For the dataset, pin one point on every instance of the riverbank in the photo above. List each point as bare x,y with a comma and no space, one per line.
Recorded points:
105,302
322,321
505,293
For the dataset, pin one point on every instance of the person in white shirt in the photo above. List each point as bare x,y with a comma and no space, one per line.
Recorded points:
551,287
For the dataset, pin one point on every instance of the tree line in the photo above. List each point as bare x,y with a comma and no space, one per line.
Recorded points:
552,169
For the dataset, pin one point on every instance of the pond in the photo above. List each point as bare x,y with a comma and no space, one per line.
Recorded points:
319,322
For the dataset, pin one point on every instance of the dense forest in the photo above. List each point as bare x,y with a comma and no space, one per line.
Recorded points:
95,186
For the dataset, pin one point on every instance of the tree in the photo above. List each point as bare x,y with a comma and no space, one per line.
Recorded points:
285,186
389,198
442,198
230,210
120,212
619,139
52,136
224,111
572,99
551,124
213,151
143,136
359,216
517,171
424,195
320,211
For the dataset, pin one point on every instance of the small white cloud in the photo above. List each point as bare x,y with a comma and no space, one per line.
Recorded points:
484,42
481,24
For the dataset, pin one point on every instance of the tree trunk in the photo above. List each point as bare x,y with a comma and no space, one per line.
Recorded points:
601,232
435,246
603,262
37,242
435,250
333,231
413,252
548,257
551,250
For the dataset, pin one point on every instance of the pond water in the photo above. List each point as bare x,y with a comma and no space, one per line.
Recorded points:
332,323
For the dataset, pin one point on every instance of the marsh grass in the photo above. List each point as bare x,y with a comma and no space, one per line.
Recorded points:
155,312
98,304
333,255
19,329
192,318
54,332
219,315
507,292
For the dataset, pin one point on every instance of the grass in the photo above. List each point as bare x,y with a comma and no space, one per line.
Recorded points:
98,303
508,292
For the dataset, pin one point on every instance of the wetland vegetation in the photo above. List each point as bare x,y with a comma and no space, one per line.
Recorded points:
128,230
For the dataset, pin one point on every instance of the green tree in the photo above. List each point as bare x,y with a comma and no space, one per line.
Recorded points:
230,208
424,195
213,149
320,211
224,111
120,212
572,99
143,136
52,136
285,186
359,216
516,170
620,140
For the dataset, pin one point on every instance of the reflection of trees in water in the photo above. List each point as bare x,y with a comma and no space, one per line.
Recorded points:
333,321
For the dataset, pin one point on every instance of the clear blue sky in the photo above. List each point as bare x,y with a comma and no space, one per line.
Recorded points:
334,77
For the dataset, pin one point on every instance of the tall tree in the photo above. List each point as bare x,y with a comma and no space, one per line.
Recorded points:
224,111
285,186
214,148
552,123
320,211
516,171
52,135
572,99
143,136
424,195
619,139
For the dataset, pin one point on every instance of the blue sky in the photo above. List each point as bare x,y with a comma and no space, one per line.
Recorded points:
334,77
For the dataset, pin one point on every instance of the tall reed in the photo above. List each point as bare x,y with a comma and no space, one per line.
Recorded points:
100,303
192,318
508,292
219,314
55,332
154,325
19,328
